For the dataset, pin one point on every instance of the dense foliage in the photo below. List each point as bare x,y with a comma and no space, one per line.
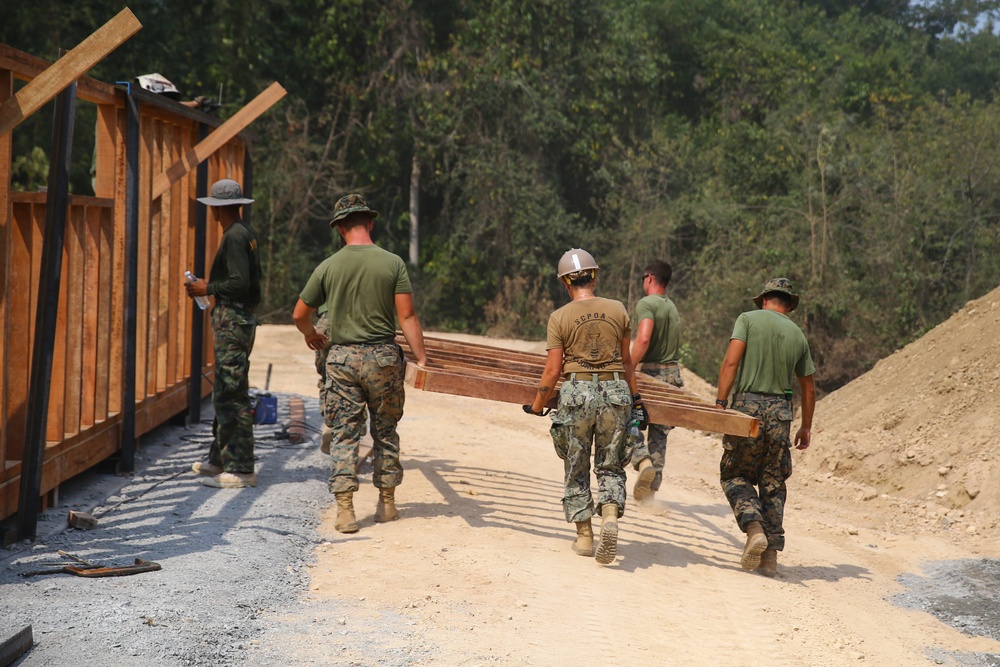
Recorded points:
852,146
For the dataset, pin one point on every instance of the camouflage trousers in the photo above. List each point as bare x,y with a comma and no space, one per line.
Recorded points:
592,415
654,446
323,327
363,381
233,332
764,462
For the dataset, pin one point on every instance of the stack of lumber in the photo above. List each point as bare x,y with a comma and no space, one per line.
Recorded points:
482,371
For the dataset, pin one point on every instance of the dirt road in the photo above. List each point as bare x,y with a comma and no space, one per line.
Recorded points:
479,569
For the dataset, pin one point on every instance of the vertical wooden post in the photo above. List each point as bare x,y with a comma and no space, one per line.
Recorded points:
127,463
46,313
197,318
6,230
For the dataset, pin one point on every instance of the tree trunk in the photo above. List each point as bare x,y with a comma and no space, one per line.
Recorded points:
415,212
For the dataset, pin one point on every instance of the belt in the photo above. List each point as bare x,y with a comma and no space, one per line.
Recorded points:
234,304
650,365
366,344
596,377
750,396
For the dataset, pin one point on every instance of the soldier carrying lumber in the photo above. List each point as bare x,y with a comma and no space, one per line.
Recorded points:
656,352
765,351
365,289
588,346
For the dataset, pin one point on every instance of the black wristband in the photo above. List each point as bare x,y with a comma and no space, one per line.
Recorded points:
721,402
637,398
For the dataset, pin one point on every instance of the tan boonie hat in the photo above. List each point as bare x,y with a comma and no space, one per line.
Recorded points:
225,193
782,285
351,204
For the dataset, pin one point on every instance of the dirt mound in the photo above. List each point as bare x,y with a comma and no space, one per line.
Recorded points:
922,424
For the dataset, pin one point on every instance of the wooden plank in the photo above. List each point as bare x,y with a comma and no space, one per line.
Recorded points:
113,238
14,647
67,69
172,280
487,374
91,314
104,179
55,429
6,231
73,279
218,138
155,257
19,339
105,293
26,67
142,261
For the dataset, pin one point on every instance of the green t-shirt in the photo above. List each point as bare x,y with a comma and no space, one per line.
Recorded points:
665,343
777,352
358,284
590,334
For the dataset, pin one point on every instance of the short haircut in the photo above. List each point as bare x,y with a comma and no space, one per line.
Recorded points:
660,270
581,278
778,296
354,219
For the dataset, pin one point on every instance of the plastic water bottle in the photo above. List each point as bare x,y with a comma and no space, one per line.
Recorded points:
202,301
634,434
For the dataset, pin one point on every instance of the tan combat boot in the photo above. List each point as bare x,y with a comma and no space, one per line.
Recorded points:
584,544
207,468
386,510
608,546
643,491
346,521
755,546
231,480
768,563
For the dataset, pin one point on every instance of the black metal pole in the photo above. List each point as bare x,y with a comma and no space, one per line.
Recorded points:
127,463
197,320
46,315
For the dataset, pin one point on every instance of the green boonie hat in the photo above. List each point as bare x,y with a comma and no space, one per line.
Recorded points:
783,285
225,193
351,204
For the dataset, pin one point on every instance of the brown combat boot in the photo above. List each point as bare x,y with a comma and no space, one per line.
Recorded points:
386,510
346,521
768,563
608,546
755,546
643,491
584,544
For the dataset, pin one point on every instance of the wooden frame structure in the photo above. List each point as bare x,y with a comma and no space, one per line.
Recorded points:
481,371
91,398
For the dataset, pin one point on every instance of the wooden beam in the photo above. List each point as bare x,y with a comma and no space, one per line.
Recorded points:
67,69
468,369
218,138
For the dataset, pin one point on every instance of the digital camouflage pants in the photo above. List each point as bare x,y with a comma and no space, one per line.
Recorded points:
764,462
323,327
592,416
233,332
654,445
364,380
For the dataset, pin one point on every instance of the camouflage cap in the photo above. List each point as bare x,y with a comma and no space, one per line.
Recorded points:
351,204
782,285
225,193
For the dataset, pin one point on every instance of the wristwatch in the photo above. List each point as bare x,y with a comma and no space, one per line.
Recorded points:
722,403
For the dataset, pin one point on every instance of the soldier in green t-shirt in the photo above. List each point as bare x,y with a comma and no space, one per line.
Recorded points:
365,290
766,352
656,352
588,346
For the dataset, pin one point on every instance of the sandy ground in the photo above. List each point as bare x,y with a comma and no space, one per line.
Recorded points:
479,569
891,526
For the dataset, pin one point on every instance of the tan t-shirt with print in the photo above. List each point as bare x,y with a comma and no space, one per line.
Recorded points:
590,333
